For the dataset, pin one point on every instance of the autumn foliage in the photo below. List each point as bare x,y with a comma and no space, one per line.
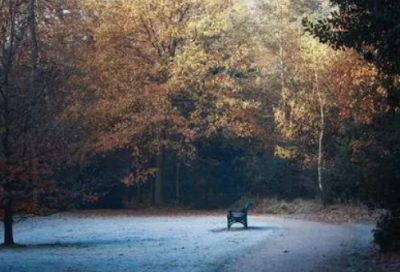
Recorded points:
191,102
185,78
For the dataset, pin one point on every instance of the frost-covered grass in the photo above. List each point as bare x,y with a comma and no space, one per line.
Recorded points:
70,243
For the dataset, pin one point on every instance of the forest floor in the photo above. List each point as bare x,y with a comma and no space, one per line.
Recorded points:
190,241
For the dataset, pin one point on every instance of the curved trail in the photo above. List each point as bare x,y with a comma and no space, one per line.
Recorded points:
74,243
310,247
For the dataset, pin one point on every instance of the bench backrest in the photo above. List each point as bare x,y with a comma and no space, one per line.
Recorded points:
248,205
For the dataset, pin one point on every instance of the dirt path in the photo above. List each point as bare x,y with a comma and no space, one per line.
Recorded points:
86,243
310,247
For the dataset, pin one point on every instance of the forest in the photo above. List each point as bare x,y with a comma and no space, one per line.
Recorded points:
199,103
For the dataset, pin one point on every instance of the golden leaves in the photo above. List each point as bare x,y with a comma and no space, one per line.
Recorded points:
359,93
164,73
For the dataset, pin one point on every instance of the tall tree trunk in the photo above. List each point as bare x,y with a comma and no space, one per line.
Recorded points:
152,191
159,184
32,119
320,140
281,51
8,224
321,135
139,193
177,185
34,62
34,43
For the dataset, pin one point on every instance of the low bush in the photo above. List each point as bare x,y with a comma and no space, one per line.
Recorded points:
387,232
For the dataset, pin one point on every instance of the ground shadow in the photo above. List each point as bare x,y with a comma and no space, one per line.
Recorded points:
79,244
250,228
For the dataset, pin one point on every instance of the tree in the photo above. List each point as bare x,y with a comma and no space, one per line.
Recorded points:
31,99
308,118
184,78
371,28
295,65
359,98
279,35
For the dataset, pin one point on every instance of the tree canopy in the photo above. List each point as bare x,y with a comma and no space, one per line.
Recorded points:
199,103
371,28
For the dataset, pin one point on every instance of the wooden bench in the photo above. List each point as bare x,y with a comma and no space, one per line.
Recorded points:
239,215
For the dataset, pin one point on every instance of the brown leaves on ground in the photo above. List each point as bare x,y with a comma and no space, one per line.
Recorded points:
338,214
306,210
313,211
148,211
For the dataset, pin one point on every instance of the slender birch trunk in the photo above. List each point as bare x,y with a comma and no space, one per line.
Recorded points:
321,132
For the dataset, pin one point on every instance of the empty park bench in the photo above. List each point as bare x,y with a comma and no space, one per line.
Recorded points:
239,215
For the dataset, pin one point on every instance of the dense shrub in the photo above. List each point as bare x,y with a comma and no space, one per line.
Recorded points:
380,160
387,232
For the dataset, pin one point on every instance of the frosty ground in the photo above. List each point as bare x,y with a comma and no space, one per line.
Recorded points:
84,243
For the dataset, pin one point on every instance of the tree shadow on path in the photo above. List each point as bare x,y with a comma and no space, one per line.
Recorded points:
77,244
